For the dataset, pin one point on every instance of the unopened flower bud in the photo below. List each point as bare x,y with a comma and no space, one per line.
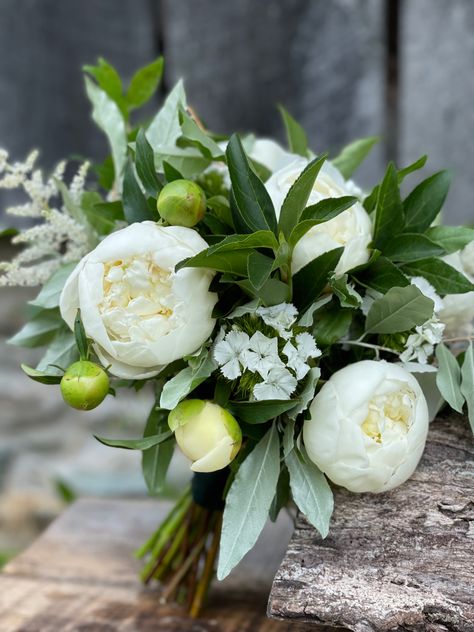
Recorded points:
182,203
84,385
206,433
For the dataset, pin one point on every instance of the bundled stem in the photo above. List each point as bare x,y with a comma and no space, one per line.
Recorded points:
182,553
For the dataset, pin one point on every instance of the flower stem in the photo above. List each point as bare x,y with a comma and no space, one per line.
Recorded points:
204,582
368,345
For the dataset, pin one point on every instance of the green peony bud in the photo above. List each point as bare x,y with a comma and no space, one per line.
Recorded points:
206,433
182,203
84,385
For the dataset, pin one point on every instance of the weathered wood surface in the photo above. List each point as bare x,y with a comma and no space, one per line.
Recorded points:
403,560
80,576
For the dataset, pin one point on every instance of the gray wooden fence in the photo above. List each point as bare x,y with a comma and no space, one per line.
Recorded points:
403,69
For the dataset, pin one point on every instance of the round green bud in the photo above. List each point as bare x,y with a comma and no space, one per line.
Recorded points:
84,385
182,203
206,433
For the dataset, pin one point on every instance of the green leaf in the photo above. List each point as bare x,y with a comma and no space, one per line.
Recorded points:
444,278
102,216
260,412
272,291
9,232
259,268
282,494
39,330
259,239
145,165
448,378
451,238
135,206
319,213
165,127
381,275
332,323
248,501
234,262
297,197
389,219
48,297
425,201
311,280
410,247
295,134
187,380
136,444
156,460
109,80
306,395
40,376
108,117
307,318
311,492
400,309
61,352
197,136
254,208
353,155
348,297
80,337
467,384
144,84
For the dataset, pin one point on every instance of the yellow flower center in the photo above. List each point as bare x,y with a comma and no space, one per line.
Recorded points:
389,413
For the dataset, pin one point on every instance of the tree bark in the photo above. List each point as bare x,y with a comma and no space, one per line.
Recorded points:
401,560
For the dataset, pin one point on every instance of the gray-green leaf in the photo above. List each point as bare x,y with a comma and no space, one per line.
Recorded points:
467,384
400,309
448,378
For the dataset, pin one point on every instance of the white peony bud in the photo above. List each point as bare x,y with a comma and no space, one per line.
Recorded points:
206,433
140,313
368,426
351,229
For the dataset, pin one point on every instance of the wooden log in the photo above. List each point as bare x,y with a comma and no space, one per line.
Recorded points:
80,576
402,560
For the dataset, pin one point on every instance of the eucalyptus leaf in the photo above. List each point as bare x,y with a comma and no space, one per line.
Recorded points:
311,492
310,281
295,134
298,195
136,444
248,501
467,383
48,297
448,378
425,201
253,209
400,309
108,117
451,238
353,155
444,278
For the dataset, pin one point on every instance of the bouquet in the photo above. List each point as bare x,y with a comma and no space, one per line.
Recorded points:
297,331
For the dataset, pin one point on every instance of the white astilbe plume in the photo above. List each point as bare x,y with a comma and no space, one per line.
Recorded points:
58,238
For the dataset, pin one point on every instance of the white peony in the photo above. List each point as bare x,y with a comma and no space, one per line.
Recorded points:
351,229
368,426
458,309
270,154
138,311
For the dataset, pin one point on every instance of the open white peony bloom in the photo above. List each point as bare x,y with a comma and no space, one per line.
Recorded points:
138,311
368,426
458,309
351,229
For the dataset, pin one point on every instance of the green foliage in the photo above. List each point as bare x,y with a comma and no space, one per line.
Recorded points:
311,491
389,219
424,203
352,155
319,213
253,209
448,378
411,247
40,376
444,278
80,337
145,165
467,383
311,280
331,324
136,444
189,378
48,297
40,330
135,205
157,458
144,84
381,275
295,134
450,238
248,501
260,412
400,309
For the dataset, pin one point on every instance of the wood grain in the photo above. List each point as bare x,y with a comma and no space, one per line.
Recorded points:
403,560
80,576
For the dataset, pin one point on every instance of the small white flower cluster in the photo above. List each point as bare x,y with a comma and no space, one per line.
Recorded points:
279,371
59,239
420,345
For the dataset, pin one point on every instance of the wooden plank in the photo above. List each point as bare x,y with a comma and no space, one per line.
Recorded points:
402,560
436,94
324,61
80,576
